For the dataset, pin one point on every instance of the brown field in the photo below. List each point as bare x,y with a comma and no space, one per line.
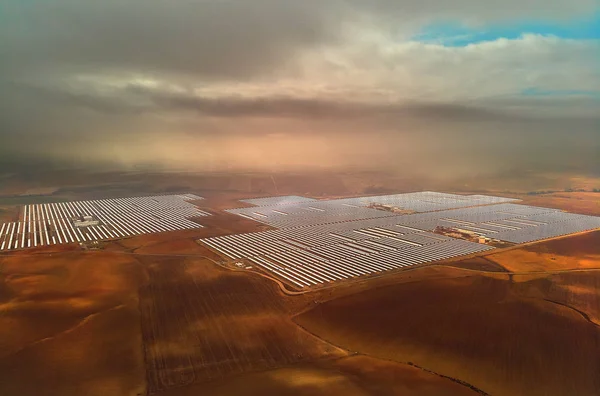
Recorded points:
575,290
153,314
69,325
200,324
205,328
575,252
481,263
349,376
577,202
8,214
584,244
477,329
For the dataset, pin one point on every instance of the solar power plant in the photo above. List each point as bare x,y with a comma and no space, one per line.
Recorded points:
307,214
426,201
319,242
506,222
291,211
320,254
56,223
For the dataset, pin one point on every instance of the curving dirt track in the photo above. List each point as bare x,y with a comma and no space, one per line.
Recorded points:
479,329
201,323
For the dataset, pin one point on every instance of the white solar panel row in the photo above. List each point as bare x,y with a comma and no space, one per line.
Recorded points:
325,253
283,200
293,211
301,270
507,222
50,224
307,215
320,235
427,201
488,220
323,241
545,231
479,214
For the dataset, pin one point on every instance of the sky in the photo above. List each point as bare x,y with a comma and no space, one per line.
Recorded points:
277,84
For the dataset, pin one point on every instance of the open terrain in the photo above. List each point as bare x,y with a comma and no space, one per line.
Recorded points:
154,314
577,202
200,323
479,329
535,329
566,253
69,324
351,376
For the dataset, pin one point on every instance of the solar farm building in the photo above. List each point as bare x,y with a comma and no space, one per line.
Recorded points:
94,220
317,242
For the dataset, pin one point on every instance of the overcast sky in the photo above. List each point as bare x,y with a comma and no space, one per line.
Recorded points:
275,83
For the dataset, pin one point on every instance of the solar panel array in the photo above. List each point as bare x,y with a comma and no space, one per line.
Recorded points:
282,200
323,253
50,224
426,201
322,241
506,222
291,211
307,214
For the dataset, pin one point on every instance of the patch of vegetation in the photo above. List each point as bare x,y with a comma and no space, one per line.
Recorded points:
565,190
541,192
574,190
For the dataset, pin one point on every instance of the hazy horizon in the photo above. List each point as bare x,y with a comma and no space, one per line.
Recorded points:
452,89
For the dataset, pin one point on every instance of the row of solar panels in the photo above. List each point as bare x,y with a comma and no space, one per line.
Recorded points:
507,222
50,224
292,211
281,200
426,201
307,214
303,268
344,232
327,234
330,252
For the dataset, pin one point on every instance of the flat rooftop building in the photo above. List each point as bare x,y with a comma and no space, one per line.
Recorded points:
85,221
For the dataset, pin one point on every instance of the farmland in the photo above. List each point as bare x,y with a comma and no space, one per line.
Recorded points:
351,376
576,252
198,328
70,322
587,203
480,329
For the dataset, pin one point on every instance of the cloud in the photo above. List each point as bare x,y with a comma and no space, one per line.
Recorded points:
135,100
221,39
144,81
477,12
208,39
374,76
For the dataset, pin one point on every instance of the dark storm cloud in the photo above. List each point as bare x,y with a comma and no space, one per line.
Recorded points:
425,112
135,99
281,106
212,39
229,39
48,109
